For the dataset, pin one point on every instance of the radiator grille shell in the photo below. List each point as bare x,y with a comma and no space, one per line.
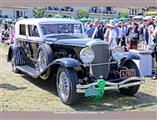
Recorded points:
102,55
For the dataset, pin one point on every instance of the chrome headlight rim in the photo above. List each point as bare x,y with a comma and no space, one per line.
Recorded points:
87,55
117,53
118,49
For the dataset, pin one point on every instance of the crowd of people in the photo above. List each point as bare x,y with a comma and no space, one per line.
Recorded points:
126,34
7,33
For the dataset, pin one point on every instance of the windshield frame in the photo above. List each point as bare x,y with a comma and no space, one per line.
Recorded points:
55,34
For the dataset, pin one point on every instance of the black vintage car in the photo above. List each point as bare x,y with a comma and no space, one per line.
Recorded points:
57,50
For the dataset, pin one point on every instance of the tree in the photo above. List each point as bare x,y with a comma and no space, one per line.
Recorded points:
123,14
39,12
82,13
150,8
151,13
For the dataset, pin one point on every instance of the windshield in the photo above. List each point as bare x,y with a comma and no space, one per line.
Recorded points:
49,29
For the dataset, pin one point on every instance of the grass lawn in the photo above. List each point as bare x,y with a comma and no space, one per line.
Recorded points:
20,92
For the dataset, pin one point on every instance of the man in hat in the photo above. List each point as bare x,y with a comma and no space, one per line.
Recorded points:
112,36
148,31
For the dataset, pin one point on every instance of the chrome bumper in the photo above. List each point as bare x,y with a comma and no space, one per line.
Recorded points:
111,85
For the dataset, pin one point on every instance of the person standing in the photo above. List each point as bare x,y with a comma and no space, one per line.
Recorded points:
90,31
112,36
123,34
148,31
155,48
119,35
133,36
98,30
5,25
12,32
141,35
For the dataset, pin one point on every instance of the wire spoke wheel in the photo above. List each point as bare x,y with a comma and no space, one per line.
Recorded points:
63,85
66,85
42,63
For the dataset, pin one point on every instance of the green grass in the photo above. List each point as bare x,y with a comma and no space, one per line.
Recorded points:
4,46
23,93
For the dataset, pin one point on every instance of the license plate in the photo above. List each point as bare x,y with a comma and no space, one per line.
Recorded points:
127,73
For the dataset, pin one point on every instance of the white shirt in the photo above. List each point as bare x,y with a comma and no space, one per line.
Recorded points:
112,35
151,37
95,31
155,31
120,32
106,35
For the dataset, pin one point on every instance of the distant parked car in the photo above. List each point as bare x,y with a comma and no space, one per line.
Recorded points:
57,49
138,18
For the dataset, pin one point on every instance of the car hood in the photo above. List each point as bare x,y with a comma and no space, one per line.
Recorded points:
77,42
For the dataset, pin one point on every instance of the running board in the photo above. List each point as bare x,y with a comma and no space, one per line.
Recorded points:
29,70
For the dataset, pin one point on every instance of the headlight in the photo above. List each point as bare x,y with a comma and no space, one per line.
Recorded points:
117,53
87,55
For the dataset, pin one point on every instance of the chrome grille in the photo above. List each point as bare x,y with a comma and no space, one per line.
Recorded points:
102,55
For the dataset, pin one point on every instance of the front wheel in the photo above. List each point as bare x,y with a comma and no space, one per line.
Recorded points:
133,89
66,85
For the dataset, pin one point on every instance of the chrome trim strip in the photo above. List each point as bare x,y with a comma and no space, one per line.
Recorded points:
99,64
111,85
27,40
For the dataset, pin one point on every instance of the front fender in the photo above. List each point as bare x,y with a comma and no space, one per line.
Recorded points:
67,62
131,65
126,55
134,56
12,50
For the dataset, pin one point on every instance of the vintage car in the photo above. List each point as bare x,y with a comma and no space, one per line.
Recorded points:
57,49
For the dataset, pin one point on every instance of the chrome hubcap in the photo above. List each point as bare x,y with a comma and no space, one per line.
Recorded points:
63,85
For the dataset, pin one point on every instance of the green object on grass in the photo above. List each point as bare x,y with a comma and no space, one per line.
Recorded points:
96,92
101,87
91,91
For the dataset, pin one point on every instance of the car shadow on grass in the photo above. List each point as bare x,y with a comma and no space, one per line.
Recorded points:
11,87
49,86
114,101
111,101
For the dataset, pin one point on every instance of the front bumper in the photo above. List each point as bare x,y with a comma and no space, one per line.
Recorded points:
132,81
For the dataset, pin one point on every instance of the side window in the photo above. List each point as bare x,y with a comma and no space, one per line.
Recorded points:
33,31
22,29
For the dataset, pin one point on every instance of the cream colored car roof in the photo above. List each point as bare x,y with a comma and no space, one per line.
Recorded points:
37,21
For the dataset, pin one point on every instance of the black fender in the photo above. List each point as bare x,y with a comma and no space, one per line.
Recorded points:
12,50
128,55
130,64
67,62
19,54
